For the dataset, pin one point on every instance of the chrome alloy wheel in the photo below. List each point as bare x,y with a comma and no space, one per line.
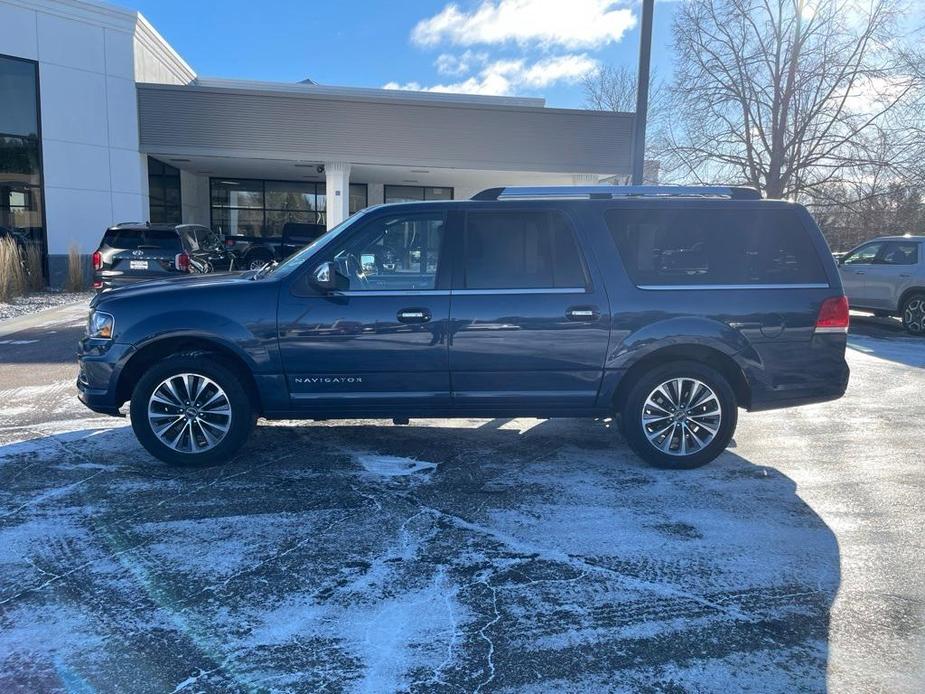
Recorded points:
914,316
681,416
189,413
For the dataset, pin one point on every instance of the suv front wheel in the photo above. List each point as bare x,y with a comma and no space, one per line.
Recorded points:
680,415
913,314
191,410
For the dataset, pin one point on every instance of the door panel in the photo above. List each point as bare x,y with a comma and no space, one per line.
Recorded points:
527,324
381,339
525,347
853,271
354,347
891,274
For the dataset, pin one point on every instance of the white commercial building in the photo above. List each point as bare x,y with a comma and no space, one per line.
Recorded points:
101,121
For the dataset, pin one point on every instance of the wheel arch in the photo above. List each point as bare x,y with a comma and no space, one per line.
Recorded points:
162,348
907,294
710,356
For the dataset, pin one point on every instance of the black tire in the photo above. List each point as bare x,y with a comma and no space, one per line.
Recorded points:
257,260
242,414
634,407
913,314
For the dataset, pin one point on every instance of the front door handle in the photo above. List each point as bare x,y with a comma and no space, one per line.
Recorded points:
414,315
905,274
583,313
859,272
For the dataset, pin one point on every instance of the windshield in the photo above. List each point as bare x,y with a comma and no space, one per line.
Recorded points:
296,259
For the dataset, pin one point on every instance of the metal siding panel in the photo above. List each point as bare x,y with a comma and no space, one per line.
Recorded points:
319,129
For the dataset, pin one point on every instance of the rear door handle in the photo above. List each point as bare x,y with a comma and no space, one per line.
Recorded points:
414,315
583,313
905,274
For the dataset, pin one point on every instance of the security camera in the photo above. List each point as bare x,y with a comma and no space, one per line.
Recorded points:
320,168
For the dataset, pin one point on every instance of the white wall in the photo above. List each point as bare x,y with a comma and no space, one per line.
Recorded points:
94,174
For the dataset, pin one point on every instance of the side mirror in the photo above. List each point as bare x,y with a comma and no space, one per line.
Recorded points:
326,277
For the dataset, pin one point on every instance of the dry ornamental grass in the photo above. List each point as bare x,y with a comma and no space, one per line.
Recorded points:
13,280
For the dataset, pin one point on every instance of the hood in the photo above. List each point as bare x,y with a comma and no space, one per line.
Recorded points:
173,285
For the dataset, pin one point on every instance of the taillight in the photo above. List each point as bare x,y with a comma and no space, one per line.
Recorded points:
833,315
182,262
97,284
229,242
97,260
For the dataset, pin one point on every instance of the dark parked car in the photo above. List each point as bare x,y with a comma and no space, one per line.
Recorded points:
135,252
253,252
669,307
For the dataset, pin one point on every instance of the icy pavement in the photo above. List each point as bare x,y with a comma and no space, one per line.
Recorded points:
466,555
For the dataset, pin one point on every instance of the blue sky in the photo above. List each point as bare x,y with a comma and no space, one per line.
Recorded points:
517,47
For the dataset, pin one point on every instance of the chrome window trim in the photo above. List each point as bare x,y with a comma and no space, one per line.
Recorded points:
723,287
392,292
534,290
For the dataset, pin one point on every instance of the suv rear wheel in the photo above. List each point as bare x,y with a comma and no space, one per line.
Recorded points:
680,415
191,410
914,314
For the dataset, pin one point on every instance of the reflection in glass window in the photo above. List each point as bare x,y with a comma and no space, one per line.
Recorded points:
521,250
864,255
21,201
711,246
393,253
416,193
164,192
255,207
900,253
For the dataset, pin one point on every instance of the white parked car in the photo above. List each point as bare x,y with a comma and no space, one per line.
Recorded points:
886,276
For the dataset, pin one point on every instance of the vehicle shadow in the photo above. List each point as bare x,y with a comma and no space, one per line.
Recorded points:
442,555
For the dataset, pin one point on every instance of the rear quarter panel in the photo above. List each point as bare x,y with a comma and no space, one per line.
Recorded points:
768,333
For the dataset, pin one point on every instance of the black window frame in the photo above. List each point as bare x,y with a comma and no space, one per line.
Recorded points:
42,236
460,282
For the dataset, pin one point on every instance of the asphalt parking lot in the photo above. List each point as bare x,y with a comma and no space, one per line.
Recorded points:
463,555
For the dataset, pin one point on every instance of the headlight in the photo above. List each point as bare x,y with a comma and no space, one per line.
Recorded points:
100,325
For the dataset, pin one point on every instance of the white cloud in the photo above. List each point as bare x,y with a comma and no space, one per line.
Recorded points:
571,24
506,77
449,64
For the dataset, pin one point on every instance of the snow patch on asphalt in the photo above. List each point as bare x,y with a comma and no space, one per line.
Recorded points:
393,466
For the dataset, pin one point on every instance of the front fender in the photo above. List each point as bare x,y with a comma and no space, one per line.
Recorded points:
202,325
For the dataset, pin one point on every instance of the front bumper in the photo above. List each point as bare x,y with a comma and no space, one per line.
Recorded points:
100,363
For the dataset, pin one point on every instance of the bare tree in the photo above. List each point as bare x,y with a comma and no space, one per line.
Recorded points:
792,97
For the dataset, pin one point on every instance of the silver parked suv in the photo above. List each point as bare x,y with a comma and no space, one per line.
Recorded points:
887,277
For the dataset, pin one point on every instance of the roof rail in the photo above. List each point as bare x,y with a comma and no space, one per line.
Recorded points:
607,192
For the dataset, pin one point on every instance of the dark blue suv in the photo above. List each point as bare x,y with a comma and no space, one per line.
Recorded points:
669,308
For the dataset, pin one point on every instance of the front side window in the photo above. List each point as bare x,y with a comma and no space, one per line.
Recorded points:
674,247
521,250
401,252
864,255
900,253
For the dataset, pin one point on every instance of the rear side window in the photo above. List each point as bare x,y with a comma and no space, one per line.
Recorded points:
703,246
132,239
521,250
900,253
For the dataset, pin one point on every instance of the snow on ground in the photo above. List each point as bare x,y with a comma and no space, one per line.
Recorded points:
468,555
39,301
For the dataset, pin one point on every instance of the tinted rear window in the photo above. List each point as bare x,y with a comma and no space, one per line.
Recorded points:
521,250
131,239
704,246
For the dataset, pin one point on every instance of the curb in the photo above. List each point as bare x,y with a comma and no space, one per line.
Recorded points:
32,320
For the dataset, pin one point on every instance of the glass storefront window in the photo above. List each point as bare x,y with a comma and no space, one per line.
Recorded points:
253,207
164,192
417,193
359,197
21,199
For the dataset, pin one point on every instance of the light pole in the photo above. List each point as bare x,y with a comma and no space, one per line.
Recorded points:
642,92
